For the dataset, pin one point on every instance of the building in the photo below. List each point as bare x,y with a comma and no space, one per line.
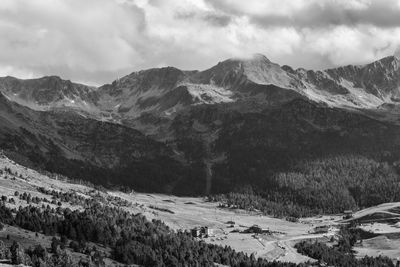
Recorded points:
196,232
207,231
348,214
201,231
323,229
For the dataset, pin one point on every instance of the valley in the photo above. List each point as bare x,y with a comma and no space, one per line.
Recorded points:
228,225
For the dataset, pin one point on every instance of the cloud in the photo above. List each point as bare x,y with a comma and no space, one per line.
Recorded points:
214,19
315,13
96,41
90,35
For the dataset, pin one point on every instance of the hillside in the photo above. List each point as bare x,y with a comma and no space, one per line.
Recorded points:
56,220
69,143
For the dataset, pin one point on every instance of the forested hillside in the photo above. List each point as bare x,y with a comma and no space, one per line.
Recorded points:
328,185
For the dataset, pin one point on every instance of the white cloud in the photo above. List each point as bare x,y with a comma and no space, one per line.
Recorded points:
96,41
346,45
85,35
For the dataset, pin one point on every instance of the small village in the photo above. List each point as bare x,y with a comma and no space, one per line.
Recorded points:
206,232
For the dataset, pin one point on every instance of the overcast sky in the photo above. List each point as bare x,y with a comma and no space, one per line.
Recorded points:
97,41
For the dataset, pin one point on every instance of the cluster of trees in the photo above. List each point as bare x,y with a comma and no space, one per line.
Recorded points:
341,254
107,199
75,199
327,185
119,202
252,201
6,214
8,171
37,256
70,197
335,257
132,238
55,256
28,198
5,172
161,209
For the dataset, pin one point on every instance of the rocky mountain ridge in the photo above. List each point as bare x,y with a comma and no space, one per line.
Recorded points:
165,91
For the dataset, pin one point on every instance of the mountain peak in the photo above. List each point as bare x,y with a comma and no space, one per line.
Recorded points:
160,70
259,56
254,58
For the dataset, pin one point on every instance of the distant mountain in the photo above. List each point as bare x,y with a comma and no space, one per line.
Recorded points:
165,91
237,123
48,92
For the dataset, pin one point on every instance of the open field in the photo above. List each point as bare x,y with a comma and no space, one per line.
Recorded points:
192,212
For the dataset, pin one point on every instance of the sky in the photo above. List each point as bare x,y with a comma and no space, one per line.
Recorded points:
98,41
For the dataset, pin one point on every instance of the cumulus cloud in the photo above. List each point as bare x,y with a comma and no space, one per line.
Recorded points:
96,41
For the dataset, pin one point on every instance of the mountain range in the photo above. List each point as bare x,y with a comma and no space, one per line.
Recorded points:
199,132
